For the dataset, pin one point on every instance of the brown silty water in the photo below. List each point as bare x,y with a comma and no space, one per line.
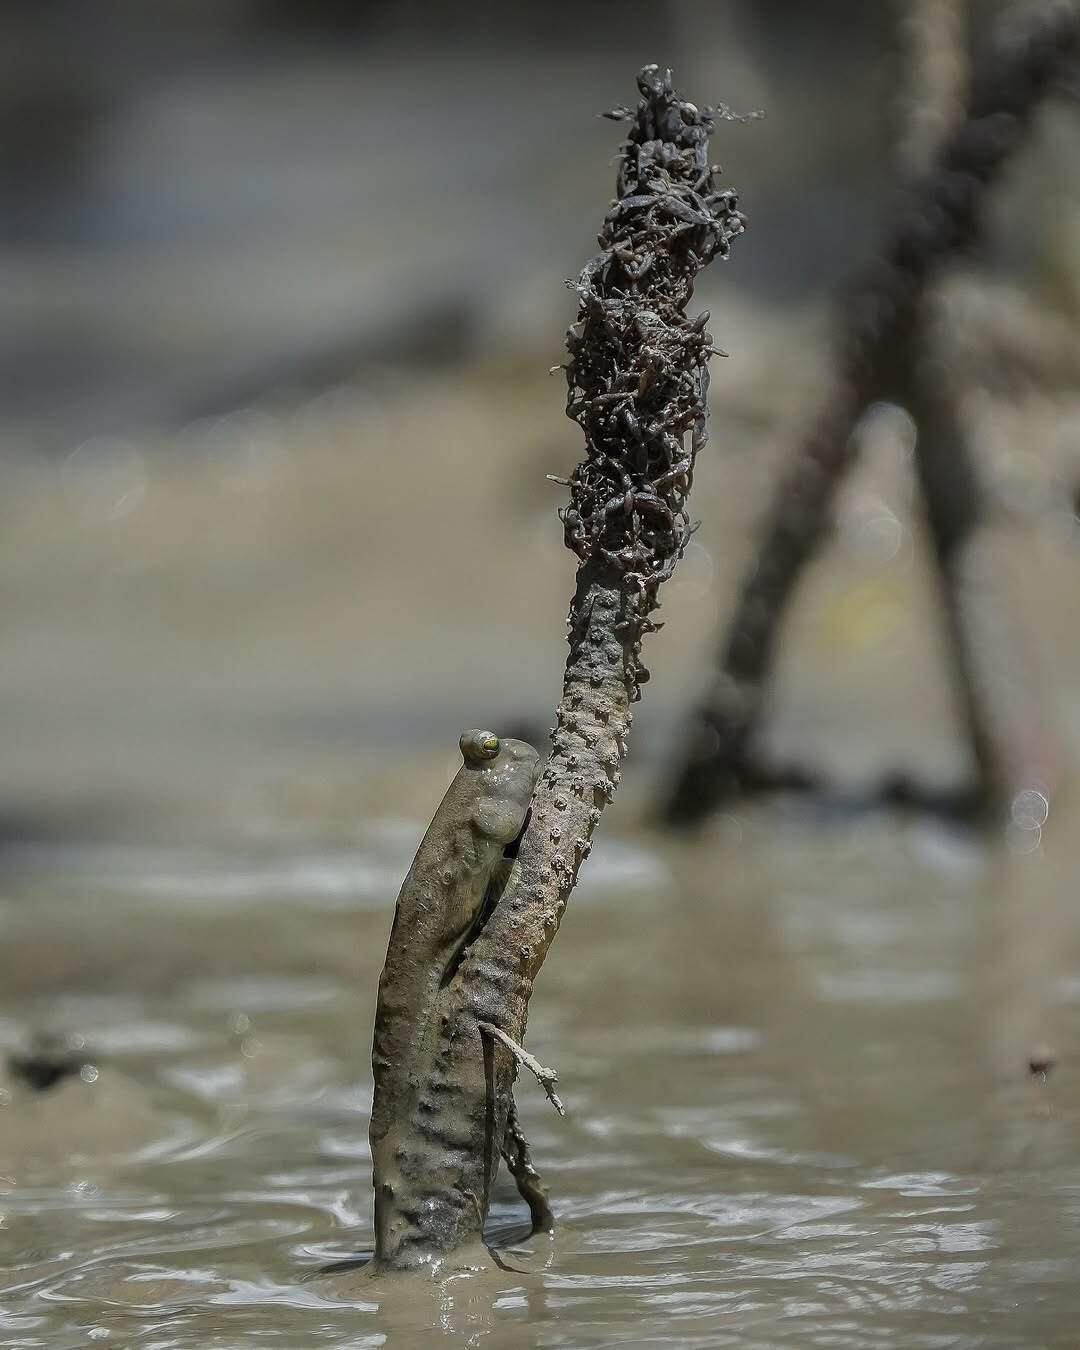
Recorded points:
794,1051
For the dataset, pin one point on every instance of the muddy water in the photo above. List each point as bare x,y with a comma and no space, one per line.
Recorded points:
794,1053
794,1059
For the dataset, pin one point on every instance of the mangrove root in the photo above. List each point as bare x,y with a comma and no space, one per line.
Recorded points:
637,378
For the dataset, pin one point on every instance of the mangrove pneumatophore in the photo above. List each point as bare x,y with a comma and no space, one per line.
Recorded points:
637,378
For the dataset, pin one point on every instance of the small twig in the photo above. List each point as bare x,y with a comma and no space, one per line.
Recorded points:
547,1078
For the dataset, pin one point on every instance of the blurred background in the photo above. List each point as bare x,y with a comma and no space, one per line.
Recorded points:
282,286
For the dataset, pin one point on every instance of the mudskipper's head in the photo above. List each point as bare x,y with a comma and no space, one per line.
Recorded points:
506,773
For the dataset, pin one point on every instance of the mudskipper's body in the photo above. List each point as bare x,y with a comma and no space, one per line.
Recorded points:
456,875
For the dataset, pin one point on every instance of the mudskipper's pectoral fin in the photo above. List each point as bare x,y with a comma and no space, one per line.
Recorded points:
498,820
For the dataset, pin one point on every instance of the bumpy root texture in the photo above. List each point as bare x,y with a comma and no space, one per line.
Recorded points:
637,384
937,220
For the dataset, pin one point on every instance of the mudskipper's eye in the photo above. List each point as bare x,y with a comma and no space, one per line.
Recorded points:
477,746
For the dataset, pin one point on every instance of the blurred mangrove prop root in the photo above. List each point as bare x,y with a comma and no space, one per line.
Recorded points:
932,38
997,685
637,385
878,316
